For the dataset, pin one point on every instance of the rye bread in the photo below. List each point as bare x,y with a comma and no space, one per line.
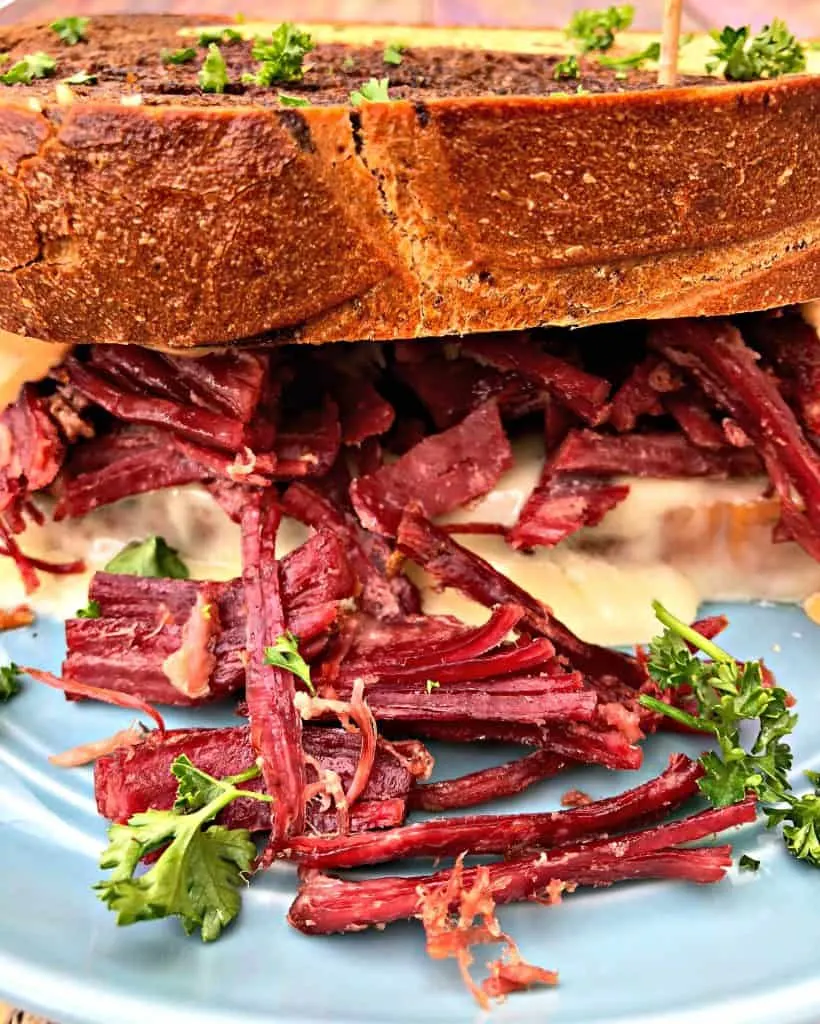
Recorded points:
487,197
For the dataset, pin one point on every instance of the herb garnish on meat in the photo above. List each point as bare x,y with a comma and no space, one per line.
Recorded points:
81,78
595,29
725,694
293,101
223,35
200,874
150,557
285,654
772,52
71,30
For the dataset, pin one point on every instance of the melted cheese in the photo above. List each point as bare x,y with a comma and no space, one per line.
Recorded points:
681,541
23,360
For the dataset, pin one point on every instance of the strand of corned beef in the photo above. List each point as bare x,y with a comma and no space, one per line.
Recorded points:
502,833
575,741
326,904
276,727
487,784
453,565
715,354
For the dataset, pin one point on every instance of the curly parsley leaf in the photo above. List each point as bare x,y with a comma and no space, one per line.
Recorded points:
91,610
9,681
282,58
567,68
372,91
150,557
71,30
32,66
747,863
595,29
723,695
200,873
293,101
81,78
285,654
393,53
219,35
183,56
772,52
213,75
633,61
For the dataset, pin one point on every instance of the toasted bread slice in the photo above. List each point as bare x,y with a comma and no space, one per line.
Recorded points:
487,196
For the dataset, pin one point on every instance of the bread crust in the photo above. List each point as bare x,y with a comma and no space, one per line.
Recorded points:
179,225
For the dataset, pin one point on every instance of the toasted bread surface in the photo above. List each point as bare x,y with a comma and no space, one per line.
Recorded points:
487,196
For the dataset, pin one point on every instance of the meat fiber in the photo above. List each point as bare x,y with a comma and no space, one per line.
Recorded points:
131,780
440,473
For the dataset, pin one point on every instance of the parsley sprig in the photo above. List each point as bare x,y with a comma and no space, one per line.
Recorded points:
772,52
154,556
71,30
725,693
282,57
9,681
28,68
199,876
285,654
634,61
595,29
374,90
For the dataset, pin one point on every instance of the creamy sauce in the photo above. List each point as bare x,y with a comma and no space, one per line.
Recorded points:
681,541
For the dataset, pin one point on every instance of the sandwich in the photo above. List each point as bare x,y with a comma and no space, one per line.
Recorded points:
391,381
573,244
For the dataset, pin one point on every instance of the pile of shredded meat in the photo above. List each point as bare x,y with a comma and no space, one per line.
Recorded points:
367,445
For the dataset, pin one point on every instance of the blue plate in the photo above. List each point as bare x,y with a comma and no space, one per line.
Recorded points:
742,951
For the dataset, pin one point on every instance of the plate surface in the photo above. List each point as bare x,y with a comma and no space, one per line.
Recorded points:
743,951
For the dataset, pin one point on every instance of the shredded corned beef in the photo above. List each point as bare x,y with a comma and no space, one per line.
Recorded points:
365,445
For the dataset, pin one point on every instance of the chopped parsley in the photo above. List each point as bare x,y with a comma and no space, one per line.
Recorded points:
71,30
747,863
32,66
213,75
595,29
431,685
81,78
91,610
724,695
224,35
183,56
772,52
285,654
200,874
372,91
150,557
281,57
634,61
9,681
293,101
393,53
567,68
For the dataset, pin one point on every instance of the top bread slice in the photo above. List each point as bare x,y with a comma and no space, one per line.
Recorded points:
485,196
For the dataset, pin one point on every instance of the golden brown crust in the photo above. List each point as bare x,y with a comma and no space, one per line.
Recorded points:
180,225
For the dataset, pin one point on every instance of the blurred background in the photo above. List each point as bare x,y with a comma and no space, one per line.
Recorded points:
802,16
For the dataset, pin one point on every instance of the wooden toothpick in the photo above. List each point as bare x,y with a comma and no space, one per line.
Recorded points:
670,43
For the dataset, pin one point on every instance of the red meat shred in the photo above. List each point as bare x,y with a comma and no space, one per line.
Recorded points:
715,354
454,566
441,473
276,727
581,392
562,505
793,348
502,833
130,780
640,394
326,905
